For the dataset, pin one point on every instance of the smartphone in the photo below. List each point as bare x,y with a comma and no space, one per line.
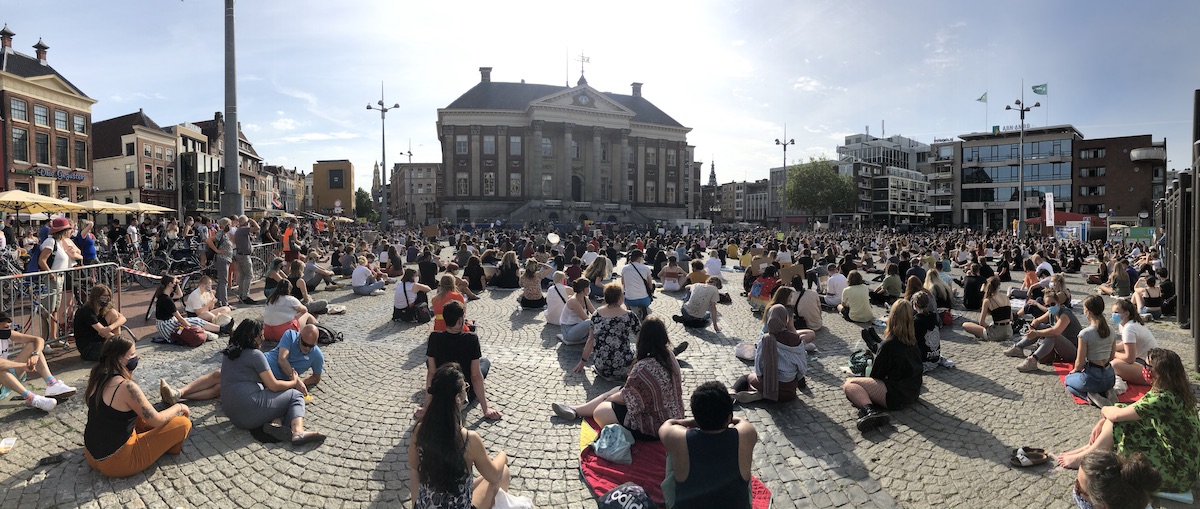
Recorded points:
7,444
55,459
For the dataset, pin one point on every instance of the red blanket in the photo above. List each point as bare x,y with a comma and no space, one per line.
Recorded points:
1134,393
648,469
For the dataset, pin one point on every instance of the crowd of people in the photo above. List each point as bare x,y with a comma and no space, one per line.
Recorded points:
596,292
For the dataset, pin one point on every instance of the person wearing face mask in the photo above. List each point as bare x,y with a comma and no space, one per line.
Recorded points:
28,360
1092,377
96,321
223,247
1054,333
124,433
201,303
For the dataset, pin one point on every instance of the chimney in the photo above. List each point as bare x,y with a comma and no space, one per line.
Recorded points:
485,74
6,36
637,89
41,48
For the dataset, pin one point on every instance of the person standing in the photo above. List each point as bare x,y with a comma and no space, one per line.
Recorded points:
241,242
223,249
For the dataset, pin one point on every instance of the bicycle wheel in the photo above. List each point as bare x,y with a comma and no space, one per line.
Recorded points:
142,266
259,268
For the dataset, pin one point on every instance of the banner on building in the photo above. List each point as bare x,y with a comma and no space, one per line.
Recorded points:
1049,215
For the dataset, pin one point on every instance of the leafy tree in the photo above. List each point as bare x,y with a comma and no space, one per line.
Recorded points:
364,207
816,186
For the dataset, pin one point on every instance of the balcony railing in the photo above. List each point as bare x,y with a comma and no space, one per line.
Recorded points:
1148,154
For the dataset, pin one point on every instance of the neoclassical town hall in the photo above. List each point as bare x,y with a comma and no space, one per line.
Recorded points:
528,152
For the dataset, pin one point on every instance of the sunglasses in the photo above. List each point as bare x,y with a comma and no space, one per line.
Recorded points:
308,346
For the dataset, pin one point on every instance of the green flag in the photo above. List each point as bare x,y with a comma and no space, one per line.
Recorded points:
1040,89
982,98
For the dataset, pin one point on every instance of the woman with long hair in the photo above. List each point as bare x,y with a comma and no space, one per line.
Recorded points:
1129,354
781,359
395,264
251,395
408,293
169,321
1163,426
896,374
284,312
531,284
447,291
1112,481
442,452
596,273
95,322
508,273
1092,375
995,307
612,326
575,318
937,287
652,393
475,275
124,434
1149,298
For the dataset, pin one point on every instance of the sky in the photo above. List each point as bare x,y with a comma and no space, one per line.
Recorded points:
737,73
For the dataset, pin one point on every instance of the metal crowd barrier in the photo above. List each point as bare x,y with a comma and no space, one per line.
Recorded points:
263,253
27,297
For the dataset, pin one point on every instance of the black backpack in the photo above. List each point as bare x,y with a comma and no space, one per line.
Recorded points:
326,336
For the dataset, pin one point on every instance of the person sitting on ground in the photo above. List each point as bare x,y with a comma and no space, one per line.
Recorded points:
409,294
202,303
284,312
709,457
911,287
1168,292
714,263
461,284
972,288
1163,426
1110,480
1092,376
652,394
1148,297
637,283
475,275
780,361
596,274
461,346
943,295
806,306
314,274
575,317
699,274
890,289
1055,333
124,433
612,326
96,321
531,284
927,327
765,284
14,372
392,263
169,321
251,395
557,296
442,452
856,301
575,269
833,288
997,308
896,373
672,275
363,279
446,293
1129,354
1118,283
700,305
1102,271
508,273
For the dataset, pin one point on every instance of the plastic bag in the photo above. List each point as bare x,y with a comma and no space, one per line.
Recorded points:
744,351
507,501
614,444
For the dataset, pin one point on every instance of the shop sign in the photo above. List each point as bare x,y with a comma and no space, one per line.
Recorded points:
59,174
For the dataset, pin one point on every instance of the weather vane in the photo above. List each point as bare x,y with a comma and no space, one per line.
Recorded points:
582,60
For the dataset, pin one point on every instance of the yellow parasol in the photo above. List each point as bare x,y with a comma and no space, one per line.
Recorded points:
103,207
23,201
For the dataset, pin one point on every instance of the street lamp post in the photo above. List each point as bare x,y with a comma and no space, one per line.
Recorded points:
1021,153
783,197
409,210
383,215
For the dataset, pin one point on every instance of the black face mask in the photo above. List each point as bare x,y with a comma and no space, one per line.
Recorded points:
132,363
5,333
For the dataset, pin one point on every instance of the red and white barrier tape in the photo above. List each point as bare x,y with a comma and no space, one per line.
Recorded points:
154,276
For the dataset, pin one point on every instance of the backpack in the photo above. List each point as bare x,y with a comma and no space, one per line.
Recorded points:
326,336
190,335
860,363
756,289
33,266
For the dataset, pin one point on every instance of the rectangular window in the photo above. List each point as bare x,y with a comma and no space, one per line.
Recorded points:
60,120
462,184
489,184
547,147
20,141
20,110
62,155
670,193
489,145
81,154
604,151
146,149
130,179
514,145
629,191
547,185
460,144
80,124
514,184
148,177
604,184
42,144
44,189
158,153
41,115
574,149
337,179
670,157
170,155
651,195
129,149
651,155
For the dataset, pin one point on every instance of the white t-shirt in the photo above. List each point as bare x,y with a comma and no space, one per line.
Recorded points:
133,233
702,299
555,302
836,283
281,312
1046,265
196,300
589,257
712,266
61,260
361,276
398,300
634,274
1134,332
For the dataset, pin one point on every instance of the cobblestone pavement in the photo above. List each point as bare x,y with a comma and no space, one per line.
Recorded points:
949,450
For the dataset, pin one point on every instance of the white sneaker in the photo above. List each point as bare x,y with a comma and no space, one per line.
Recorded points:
59,390
558,337
42,403
378,292
946,363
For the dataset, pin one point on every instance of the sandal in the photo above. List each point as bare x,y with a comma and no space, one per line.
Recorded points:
1029,450
1023,458
307,437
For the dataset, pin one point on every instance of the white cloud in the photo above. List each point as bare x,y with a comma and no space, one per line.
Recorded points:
307,137
286,124
809,84
251,128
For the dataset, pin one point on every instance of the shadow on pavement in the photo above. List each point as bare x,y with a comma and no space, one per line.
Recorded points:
947,431
968,381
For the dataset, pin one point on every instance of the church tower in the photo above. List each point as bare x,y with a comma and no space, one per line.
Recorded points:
376,187
712,175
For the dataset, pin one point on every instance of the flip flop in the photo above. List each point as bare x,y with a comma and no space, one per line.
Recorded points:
307,438
1027,459
1029,450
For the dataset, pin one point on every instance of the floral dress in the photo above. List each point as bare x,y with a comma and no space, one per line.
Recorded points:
460,498
1168,434
612,349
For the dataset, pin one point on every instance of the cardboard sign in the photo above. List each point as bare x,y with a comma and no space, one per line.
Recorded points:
431,231
756,251
787,273
758,263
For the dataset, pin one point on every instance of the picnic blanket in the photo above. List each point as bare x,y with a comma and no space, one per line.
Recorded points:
1132,395
648,469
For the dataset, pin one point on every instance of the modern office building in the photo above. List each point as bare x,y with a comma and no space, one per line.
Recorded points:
1121,176
526,152
756,201
333,188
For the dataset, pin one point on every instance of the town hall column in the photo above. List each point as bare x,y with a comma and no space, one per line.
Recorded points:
501,161
448,161
533,172
476,164
593,176
564,175
621,177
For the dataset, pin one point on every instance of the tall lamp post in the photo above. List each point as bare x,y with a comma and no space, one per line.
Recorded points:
383,215
783,199
1021,171
410,211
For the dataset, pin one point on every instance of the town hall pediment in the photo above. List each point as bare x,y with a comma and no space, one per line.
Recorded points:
582,97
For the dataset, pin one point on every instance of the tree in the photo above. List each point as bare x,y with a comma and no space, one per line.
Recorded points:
364,207
816,186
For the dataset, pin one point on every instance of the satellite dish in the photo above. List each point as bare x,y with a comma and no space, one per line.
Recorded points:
552,238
